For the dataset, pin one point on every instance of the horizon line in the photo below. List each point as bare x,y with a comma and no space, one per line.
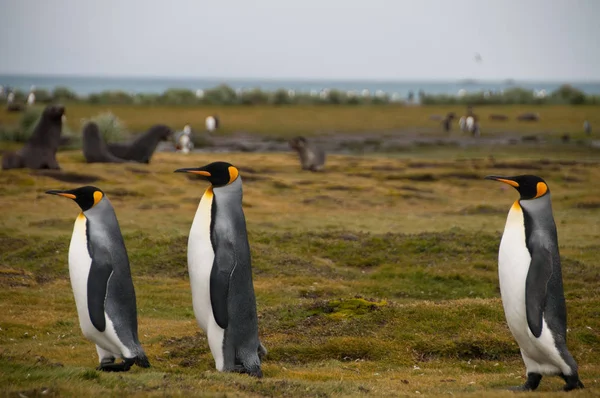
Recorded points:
302,79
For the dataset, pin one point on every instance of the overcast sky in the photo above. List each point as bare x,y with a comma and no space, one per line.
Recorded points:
309,39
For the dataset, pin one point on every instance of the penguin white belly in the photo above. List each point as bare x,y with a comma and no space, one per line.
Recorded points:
539,354
80,263
200,263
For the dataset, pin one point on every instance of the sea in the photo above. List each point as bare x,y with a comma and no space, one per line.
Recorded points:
85,85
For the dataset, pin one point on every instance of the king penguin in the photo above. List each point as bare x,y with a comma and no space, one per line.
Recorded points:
220,272
531,284
101,281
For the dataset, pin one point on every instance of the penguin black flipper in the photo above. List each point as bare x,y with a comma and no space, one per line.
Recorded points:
97,286
223,267
536,286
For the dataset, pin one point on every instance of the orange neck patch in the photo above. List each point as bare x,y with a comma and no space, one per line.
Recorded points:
516,205
208,194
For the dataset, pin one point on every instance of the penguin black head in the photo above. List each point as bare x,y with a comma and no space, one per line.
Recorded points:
529,186
86,197
217,173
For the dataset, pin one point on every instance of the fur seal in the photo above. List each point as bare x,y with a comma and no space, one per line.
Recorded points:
311,157
142,148
40,151
94,147
528,117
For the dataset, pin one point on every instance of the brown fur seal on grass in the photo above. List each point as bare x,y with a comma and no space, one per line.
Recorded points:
40,151
142,148
528,117
311,157
94,147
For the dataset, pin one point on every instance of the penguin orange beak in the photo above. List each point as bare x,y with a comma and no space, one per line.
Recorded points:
61,193
193,170
504,180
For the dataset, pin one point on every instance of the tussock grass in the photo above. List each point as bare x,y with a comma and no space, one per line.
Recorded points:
371,279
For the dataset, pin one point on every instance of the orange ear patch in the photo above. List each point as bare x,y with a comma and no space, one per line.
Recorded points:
541,189
97,197
233,174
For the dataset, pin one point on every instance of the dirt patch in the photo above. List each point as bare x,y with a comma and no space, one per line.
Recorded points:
121,193
305,182
424,177
252,178
466,349
342,188
52,223
321,199
481,209
16,277
137,171
587,205
167,206
387,168
8,243
463,176
281,185
246,170
422,165
66,176
363,175
188,351
517,165
414,189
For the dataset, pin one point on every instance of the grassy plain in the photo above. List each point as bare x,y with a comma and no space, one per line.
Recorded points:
375,278
315,120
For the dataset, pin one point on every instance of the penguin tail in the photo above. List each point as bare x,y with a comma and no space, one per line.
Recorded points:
262,351
142,361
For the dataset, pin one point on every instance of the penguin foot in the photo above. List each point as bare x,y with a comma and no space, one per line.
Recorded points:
255,371
116,367
572,381
533,381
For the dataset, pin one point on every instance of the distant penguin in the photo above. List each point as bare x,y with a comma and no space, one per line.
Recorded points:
10,98
531,284
447,122
101,281
587,127
462,122
184,142
220,271
211,124
311,157
470,124
31,99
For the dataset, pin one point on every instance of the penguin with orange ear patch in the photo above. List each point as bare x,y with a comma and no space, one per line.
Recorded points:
101,281
531,284
220,272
